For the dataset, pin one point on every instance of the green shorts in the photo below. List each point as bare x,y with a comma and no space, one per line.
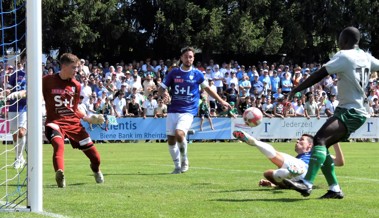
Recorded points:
351,118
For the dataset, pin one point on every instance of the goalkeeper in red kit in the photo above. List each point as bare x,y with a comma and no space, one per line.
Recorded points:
61,93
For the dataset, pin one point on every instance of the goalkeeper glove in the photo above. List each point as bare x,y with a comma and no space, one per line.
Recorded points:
95,119
17,95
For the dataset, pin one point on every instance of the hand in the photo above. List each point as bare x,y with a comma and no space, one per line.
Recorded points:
17,95
95,119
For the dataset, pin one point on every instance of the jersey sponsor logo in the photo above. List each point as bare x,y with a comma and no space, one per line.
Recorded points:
57,91
178,80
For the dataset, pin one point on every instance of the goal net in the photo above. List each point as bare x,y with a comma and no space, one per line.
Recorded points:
19,183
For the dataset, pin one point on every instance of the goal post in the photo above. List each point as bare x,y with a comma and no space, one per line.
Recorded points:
34,102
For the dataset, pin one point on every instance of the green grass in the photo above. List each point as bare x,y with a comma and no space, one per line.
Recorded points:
222,182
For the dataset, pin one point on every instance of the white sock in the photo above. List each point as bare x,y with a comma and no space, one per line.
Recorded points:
266,149
175,155
335,188
281,174
183,149
19,147
307,183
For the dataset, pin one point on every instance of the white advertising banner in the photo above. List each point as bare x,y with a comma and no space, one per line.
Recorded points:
292,128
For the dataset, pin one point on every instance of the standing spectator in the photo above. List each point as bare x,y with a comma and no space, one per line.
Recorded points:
244,87
61,94
243,104
256,86
149,106
268,108
298,107
218,77
185,85
139,97
275,82
137,84
208,73
296,79
204,111
161,110
134,108
84,67
149,85
232,94
119,104
311,107
212,101
86,91
199,66
107,110
265,79
233,79
286,83
331,105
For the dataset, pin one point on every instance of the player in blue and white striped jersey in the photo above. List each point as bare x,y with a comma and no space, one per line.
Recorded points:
181,89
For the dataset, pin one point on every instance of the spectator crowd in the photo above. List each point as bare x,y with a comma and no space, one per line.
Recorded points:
130,89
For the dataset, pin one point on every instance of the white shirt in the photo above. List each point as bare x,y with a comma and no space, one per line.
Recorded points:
150,107
119,104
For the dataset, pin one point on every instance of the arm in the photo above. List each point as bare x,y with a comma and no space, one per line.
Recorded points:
217,97
339,159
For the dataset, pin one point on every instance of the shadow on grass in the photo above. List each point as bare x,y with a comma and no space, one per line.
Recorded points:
273,190
136,174
54,186
286,200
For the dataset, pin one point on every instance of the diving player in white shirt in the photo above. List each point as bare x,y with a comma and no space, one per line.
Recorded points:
183,85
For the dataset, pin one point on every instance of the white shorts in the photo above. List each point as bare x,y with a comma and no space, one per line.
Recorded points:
17,120
290,160
174,121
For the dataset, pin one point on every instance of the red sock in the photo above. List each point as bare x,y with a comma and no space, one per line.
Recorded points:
94,157
58,155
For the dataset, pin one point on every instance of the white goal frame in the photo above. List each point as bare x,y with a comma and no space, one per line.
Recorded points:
34,103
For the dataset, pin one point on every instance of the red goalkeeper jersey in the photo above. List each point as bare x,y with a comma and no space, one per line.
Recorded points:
61,99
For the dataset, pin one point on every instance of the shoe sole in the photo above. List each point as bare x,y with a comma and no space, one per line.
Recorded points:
292,186
240,136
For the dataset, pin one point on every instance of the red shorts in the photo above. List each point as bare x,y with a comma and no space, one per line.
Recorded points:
76,133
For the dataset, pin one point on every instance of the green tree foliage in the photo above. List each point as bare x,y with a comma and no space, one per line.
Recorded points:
129,29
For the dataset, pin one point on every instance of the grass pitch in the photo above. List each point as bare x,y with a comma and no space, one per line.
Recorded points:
222,182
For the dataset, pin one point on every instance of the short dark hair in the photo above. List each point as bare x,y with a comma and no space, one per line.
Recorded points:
185,49
68,58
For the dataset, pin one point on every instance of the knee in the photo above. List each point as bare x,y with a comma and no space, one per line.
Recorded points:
21,132
318,140
180,135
